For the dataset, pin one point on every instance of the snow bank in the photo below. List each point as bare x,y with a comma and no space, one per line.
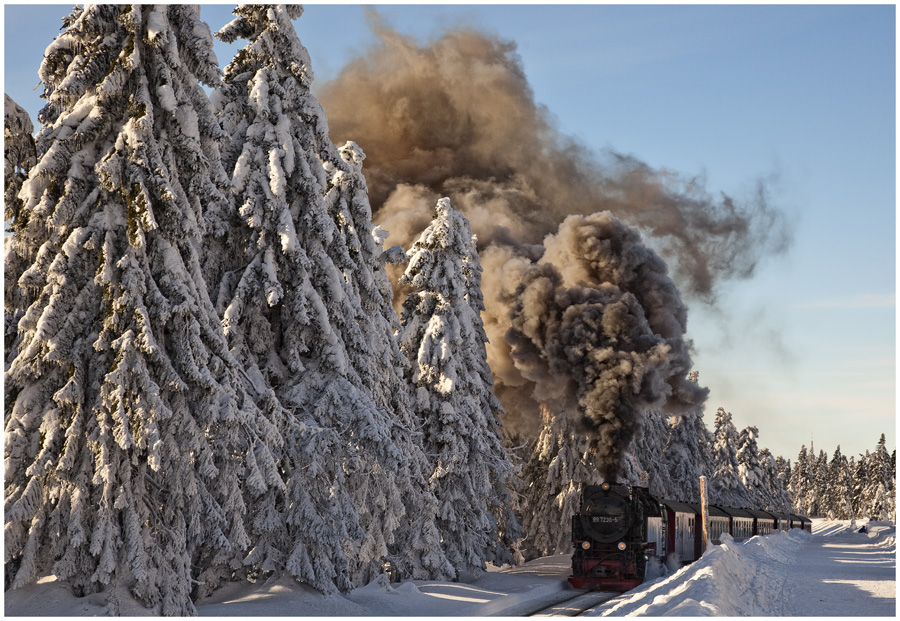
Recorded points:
769,576
507,592
732,580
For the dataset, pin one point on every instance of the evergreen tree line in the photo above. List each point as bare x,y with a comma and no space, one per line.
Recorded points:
845,488
669,456
673,452
205,377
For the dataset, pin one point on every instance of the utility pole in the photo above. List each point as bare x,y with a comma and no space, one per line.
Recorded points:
704,513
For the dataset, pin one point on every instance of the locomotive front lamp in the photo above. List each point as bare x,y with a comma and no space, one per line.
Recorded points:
585,545
605,487
621,545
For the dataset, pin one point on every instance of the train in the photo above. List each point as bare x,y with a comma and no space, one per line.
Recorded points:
620,528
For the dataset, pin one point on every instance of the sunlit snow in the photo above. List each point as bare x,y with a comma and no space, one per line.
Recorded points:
834,571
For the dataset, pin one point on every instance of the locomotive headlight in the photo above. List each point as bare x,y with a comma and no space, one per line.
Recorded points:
621,545
605,487
585,545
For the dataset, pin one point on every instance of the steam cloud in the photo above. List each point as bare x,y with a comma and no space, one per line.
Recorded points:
457,118
598,317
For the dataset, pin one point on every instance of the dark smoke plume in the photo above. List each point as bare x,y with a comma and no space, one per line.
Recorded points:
457,118
599,317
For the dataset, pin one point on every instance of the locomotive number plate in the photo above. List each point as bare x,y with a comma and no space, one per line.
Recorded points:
603,519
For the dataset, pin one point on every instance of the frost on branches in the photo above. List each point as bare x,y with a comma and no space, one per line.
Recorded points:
444,338
307,309
19,152
273,290
129,435
647,450
726,486
845,488
19,155
559,464
376,357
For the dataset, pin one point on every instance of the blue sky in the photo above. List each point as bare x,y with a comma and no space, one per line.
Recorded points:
803,92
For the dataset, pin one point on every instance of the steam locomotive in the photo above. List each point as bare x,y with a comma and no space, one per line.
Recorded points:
620,528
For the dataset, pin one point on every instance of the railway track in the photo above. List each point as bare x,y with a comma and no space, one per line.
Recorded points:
574,605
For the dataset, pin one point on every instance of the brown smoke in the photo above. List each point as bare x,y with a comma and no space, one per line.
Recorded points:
457,118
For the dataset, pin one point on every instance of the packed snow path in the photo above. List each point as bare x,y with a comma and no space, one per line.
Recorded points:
844,574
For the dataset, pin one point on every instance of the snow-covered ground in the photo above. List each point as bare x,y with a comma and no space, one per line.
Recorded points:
835,571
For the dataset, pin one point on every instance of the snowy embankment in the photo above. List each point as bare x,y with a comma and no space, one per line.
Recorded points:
834,571
784,574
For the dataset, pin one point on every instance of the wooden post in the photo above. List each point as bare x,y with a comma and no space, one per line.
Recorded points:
704,513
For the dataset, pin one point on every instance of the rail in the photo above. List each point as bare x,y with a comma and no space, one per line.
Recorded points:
573,605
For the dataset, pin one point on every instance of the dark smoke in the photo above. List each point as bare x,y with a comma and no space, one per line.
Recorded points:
457,118
599,317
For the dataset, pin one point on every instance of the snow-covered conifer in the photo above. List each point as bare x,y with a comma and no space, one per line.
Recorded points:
749,468
819,485
880,491
838,502
375,357
776,496
130,436
686,454
19,155
443,336
304,303
800,481
647,449
560,464
726,485
274,316
783,472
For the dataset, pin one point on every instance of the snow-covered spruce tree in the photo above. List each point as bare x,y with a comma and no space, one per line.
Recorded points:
647,449
275,318
800,482
860,485
374,353
838,505
783,468
19,156
749,467
880,493
309,307
726,487
686,454
443,336
562,462
19,152
130,437
777,498
819,490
